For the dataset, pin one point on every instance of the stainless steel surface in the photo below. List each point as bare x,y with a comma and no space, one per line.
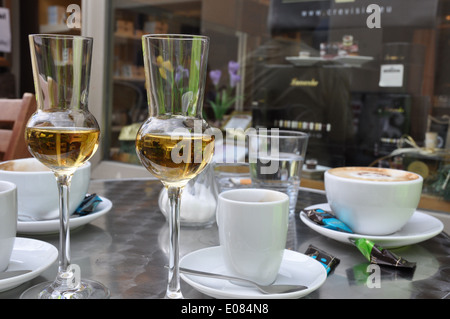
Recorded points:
267,289
126,250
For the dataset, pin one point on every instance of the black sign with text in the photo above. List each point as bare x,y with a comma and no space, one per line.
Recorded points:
294,15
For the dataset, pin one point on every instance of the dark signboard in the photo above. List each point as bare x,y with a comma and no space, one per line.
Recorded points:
292,15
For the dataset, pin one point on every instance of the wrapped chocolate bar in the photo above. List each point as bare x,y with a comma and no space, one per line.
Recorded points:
328,261
88,205
327,220
360,274
381,256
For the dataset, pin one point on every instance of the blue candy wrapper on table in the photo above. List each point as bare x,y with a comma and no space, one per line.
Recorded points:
327,220
328,261
88,205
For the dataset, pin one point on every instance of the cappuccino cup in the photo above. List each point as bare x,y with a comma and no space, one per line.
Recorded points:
8,222
37,191
373,201
253,226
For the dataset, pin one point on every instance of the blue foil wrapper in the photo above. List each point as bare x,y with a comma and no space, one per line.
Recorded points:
328,261
88,205
327,220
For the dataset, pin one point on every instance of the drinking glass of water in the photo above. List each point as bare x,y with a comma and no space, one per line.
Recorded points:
276,159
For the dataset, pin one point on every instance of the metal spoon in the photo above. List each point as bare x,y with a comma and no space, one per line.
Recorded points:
270,289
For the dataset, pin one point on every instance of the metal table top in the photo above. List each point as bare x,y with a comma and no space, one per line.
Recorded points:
127,249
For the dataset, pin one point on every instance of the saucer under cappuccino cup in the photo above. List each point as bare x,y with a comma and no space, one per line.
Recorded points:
373,201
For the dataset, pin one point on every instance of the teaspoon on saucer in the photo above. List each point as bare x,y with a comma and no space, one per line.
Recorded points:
270,289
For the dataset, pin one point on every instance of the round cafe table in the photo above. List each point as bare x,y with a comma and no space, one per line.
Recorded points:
126,250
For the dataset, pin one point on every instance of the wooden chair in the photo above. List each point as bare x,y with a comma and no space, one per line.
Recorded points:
14,115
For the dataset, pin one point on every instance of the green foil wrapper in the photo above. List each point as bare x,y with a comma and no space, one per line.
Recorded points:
381,256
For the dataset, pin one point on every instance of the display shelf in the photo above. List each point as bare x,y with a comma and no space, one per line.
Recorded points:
54,28
350,61
53,15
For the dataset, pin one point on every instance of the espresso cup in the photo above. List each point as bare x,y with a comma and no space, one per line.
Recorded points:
37,189
8,221
253,226
373,201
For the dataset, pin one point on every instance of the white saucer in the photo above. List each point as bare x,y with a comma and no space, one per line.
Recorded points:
296,268
419,228
304,61
52,226
28,254
353,60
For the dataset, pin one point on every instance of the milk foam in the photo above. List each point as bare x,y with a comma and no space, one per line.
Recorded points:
373,174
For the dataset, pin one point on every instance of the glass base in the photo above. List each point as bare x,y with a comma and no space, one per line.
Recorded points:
88,289
173,295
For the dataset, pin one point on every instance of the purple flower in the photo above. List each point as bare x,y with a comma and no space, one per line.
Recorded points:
234,79
233,67
224,98
215,76
180,73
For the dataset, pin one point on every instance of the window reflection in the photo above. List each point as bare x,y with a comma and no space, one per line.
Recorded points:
362,85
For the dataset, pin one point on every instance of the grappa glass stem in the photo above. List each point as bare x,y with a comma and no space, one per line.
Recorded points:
68,277
173,286
68,283
63,182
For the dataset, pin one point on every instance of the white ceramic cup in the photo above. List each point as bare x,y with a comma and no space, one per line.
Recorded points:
373,201
253,226
37,190
8,222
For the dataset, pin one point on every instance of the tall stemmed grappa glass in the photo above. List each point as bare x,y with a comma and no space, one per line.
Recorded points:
63,135
175,143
